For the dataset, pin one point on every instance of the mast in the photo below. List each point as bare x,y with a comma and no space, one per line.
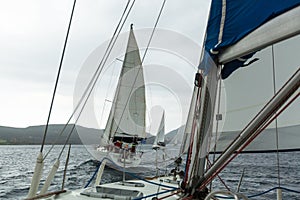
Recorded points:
204,118
127,115
238,40
268,111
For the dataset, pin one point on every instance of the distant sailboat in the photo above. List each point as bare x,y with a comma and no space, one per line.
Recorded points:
159,141
125,128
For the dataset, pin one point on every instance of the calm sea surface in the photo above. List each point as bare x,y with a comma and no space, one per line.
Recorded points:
17,164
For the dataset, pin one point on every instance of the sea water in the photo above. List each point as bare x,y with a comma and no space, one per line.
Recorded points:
260,171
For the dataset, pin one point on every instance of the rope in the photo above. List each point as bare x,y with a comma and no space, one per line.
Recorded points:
222,181
263,193
267,191
93,176
178,191
131,174
57,77
98,71
156,194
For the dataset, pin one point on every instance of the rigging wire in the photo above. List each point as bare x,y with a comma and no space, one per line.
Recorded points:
264,126
147,47
217,124
146,50
99,68
221,180
106,96
276,124
139,69
153,30
57,77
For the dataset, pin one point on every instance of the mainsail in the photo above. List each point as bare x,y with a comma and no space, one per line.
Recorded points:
233,36
127,116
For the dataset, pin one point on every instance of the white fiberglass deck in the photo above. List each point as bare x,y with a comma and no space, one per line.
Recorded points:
164,186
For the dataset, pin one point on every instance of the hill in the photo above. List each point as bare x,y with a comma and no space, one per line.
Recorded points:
33,135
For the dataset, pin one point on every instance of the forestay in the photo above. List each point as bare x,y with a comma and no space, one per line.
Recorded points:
127,116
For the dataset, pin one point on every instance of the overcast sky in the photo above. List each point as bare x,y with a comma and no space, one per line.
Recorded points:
32,36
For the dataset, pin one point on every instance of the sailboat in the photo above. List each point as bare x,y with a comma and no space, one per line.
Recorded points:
159,141
233,36
125,128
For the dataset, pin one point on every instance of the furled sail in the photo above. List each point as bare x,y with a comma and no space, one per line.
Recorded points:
127,116
230,21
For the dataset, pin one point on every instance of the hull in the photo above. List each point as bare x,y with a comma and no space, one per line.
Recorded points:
120,157
144,157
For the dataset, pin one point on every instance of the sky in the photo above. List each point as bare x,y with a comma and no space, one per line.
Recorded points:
32,36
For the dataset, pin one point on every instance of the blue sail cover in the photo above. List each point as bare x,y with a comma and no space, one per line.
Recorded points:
241,17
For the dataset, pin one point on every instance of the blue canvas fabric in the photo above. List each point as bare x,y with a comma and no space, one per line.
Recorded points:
241,18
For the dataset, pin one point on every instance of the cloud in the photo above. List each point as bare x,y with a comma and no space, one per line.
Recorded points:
32,36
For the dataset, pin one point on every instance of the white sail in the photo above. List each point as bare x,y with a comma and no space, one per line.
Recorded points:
127,116
160,137
225,45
